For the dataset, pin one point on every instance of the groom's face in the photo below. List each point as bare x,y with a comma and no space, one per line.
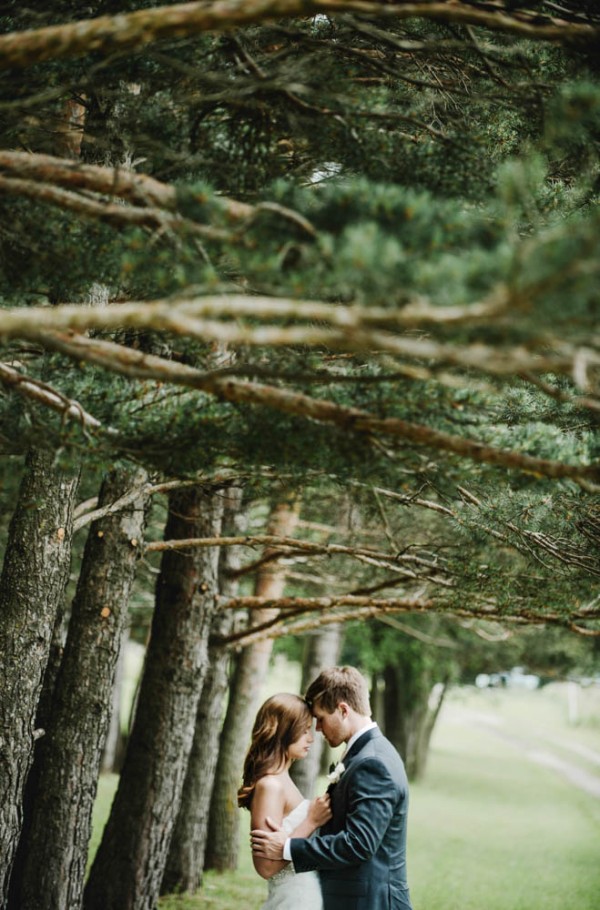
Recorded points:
332,726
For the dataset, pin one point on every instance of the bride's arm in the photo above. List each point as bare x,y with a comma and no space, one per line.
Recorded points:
268,800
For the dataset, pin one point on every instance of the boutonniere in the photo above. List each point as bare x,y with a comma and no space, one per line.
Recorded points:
335,772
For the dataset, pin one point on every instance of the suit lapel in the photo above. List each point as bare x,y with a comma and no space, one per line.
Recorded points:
337,791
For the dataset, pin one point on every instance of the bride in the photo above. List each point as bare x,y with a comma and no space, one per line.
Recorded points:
282,733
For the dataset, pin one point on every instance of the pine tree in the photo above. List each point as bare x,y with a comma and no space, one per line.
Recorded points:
347,250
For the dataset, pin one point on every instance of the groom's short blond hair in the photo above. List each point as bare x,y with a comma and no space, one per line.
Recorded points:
337,684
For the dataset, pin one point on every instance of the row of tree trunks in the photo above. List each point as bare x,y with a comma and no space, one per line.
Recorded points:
130,863
68,762
188,846
168,821
250,673
32,586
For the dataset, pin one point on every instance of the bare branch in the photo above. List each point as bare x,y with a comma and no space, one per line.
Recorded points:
187,317
135,493
558,395
102,210
153,314
45,395
288,544
367,608
409,499
348,608
352,330
34,175
416,633
124,33
138,189
136,364
583,630
285,546
561,550
86,512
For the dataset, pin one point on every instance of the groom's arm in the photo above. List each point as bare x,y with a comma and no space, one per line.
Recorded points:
372,799
270,842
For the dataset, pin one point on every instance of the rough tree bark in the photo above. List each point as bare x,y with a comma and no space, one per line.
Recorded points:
69,758
188,845
32,585
321,649
130,862
250,672
114,744
128,32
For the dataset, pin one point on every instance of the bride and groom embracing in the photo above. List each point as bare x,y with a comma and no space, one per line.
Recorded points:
345,850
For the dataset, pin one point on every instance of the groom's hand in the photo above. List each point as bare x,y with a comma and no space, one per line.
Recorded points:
268,844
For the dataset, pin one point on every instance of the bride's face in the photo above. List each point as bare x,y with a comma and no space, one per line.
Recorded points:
299,748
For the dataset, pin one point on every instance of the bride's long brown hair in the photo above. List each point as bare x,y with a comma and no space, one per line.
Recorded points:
280,722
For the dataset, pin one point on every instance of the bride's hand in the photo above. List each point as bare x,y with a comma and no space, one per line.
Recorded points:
319,810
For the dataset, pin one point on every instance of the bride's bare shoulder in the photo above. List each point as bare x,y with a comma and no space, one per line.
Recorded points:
270,783
269,800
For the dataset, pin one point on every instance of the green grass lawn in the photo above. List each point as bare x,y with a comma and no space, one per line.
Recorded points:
489,828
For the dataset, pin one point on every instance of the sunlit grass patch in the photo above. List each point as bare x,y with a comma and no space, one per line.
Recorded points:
491,829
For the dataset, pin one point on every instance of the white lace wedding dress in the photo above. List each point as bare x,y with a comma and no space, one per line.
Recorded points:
289,890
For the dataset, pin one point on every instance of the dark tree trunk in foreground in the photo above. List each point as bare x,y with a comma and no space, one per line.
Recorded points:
321,650
69,760
32,586
251,669
412,702
130,862
188,845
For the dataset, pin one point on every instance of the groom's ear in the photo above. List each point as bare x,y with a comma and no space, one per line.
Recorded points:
344,708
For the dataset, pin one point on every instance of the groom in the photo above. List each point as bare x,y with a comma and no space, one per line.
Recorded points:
360,853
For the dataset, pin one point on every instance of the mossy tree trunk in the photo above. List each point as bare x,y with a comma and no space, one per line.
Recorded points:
69,760
129,866
32,586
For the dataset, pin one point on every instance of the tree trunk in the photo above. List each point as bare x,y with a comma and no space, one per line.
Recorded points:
250,673
130,862
411,706
434,706
32,585
376,698
188,845
114,744
321,649
69,760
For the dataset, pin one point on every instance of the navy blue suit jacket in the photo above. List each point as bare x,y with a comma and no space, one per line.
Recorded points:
360,854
